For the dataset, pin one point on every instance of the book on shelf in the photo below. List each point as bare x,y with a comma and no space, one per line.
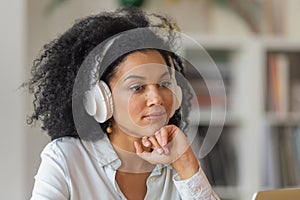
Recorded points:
278,83
271,175
281,167
283,85
287,158
296,148
295,96
295,82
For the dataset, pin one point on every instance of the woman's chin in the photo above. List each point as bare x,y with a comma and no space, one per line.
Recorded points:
152,129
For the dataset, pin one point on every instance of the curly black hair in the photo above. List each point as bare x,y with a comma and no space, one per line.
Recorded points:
54,70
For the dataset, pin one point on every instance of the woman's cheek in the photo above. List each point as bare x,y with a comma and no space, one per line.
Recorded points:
169,103
121,103
135,108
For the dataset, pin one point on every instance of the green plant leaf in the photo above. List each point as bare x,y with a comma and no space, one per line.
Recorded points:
53,5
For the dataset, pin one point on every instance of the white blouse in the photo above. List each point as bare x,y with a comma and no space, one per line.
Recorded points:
74,169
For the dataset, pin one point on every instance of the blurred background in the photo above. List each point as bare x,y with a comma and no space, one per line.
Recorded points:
256,46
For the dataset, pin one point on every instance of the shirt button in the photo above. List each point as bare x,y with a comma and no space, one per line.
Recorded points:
197,190
152,179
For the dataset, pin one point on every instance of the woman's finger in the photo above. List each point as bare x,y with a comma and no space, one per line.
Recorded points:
146,142
156,145
162,139
164,134
138,147
158,138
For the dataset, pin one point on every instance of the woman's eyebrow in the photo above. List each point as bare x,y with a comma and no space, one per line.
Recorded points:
143,78
134,77
164,74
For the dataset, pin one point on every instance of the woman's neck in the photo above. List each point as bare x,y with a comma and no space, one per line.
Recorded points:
122,140
123,145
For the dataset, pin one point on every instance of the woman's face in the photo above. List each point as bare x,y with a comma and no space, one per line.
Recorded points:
142,94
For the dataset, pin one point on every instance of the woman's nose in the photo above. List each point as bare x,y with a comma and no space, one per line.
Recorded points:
153,95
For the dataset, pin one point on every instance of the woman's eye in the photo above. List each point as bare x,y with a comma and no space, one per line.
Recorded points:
166,84
136,88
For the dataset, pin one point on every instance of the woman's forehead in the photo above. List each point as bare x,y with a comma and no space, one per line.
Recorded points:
147,72
142,62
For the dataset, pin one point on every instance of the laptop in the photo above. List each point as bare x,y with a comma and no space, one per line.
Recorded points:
278,194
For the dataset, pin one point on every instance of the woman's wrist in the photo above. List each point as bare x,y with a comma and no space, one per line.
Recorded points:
186,165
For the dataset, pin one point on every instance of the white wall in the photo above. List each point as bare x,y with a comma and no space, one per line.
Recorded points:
12,52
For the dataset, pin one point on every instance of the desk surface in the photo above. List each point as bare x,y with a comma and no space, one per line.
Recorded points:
280,194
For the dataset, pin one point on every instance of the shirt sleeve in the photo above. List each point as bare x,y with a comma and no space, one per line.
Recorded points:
195,188
50,180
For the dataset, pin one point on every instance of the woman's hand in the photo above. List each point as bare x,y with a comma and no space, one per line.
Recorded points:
170,146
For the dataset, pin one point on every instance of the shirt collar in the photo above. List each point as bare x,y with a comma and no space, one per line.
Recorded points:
103,152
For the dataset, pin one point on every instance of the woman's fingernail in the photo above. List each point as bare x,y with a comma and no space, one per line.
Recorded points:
160,150
147,143
166,150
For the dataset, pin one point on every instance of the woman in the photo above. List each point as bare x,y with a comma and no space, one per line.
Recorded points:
115,70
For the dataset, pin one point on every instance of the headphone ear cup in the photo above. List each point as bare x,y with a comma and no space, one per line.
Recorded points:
178,97
108,99
98,102
104,103
89,102
101,110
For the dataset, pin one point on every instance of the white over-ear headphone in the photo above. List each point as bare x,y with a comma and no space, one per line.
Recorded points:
98,100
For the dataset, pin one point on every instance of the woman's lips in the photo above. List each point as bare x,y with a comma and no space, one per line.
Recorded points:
155,116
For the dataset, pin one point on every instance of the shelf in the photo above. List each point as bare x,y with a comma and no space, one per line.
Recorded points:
220,118
250,107
281,44
281,134
215,42
283,119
